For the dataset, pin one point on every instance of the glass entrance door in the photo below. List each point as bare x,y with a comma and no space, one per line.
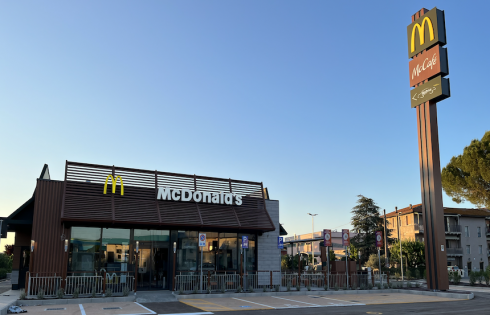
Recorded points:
153,258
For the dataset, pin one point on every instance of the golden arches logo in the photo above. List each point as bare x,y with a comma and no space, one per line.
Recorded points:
114,183
421,29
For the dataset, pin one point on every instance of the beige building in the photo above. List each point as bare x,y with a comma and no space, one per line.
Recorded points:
467,233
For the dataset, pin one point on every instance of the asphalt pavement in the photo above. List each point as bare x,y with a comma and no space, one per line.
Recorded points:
479,305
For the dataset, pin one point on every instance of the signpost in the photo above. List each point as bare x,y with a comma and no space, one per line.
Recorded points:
379,244
245,247
202,243
280,242
327,242
425,37
346,243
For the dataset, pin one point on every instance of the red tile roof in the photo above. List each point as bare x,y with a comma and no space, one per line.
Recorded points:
461,211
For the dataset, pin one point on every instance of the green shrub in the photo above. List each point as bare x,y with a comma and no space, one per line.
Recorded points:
3,273
125,291
456,277
450,276
336,287
40,294
92,294
288,287
60,293
193,291
417,274
325,287
473,277
239,290
108,292
277,288
22,295
480,276
76,292
370,286
6,262
298,287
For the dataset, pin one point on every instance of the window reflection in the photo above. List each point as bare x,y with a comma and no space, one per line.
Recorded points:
228,252
115,249
84,249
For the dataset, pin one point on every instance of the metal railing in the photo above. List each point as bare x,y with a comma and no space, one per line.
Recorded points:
257,280
85,283
454,251
49,284
452,228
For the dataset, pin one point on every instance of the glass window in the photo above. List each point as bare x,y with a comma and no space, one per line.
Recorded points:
228,252
478,230
115,249
468,249
84,249
187,249
466,231
250,259
210,251
480,249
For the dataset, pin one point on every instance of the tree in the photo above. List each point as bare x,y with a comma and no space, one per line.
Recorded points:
467,176
413,253
373,261
366,221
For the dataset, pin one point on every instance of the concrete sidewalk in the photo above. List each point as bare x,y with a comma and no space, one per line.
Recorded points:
8,299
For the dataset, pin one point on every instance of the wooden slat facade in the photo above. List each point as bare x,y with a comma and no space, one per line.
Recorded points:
84,200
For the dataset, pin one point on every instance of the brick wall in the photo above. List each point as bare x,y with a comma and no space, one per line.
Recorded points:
269,256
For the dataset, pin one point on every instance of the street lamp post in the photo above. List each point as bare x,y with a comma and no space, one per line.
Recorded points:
312,236
400,240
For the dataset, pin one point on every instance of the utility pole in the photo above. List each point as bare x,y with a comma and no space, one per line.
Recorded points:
312,236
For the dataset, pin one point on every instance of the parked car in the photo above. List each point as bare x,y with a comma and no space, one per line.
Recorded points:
455,269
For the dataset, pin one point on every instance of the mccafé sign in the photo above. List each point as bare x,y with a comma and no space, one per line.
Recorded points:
165,193
428,65
426,36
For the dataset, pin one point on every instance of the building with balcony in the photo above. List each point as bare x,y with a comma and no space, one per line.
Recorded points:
467,233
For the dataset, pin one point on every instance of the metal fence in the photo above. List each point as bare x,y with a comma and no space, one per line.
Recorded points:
252,281
48,284
82,282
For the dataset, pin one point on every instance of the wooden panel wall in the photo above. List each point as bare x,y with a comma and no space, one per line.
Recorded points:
47,229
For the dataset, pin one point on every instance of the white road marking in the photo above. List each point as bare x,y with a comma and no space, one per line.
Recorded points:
146,308
355,303
315,305
81,309
254,303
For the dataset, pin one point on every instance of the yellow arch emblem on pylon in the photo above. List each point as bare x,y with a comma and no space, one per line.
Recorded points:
114,182
421,29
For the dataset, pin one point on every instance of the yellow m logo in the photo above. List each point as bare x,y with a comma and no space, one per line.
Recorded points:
114,182
421,29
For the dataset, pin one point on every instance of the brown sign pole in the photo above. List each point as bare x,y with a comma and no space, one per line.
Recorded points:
431,189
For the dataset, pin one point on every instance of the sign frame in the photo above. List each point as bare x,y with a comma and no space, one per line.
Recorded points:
202,242
345,237
244,242
434,90
428,65
431,30
327,237
280,242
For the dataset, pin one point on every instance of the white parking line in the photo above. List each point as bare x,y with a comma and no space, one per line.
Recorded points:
354,303
314,305
146,308
255,303
81,309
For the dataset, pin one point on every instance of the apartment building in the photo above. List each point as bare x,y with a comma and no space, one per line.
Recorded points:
304,243
467,233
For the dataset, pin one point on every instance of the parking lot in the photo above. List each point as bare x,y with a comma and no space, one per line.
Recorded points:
213,305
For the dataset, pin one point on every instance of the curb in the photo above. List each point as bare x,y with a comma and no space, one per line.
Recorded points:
75,301
341,292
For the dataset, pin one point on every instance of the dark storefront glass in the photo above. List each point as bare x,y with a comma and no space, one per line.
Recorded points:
187,250
115,249
228,252
153,258
210,251
250,253
84,249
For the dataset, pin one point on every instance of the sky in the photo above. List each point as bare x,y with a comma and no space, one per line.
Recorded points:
311,98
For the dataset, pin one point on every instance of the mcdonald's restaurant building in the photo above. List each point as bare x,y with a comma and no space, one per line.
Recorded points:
145,223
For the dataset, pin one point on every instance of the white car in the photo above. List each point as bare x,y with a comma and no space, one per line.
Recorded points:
16,310
455,269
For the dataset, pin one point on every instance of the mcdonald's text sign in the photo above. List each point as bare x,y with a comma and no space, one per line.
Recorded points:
426,31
